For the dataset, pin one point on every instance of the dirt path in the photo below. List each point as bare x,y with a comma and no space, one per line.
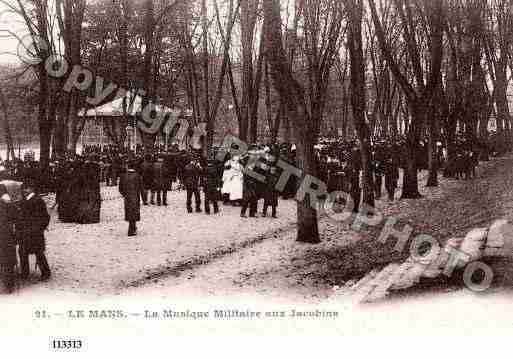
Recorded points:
100,259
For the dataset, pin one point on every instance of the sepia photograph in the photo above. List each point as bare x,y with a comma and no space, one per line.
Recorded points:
255,168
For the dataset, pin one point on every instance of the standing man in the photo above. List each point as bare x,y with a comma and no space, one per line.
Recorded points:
250,189
160,182
147,177
211,186
131,188
33,220
270,192
7,240
192,175
171,165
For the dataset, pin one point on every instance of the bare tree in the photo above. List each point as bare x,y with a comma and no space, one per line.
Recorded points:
358,90
6,126
419,91
498,40
305,108
70,16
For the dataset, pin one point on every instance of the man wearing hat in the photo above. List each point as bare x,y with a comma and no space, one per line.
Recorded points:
33,220
7,240
211,185
192,176
160,182
131,188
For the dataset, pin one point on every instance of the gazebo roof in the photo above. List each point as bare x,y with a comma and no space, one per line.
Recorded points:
115,108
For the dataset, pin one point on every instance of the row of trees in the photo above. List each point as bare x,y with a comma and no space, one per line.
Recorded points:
437,58
418,68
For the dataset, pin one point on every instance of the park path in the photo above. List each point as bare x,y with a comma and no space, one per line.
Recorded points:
99,259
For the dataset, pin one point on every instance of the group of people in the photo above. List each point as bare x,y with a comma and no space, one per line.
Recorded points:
147,180
23,221
146,177
77,191
150,175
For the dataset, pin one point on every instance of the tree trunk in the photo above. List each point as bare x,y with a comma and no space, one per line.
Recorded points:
308,229
206,75
501,101
7,128
432,151
45,121
75,129
149,34
292,96
358,101
123,52
410,178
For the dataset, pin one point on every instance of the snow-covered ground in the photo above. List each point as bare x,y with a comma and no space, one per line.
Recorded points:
101,259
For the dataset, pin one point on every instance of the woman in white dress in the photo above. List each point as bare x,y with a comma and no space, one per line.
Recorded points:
233,180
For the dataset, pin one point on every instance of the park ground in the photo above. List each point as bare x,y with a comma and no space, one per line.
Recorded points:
185,258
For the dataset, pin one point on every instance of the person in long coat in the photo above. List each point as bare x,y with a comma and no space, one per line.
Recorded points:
147,177
251,188
160,182
32,221
171,163
89,193
7,240
192,177
131,188
211,186
270,192
67,184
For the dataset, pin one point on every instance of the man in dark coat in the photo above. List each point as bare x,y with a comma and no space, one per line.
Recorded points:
147,177
7,240
131,188
32,221
192,175
160,182
89,196
171,163
250,188
211,186
270,193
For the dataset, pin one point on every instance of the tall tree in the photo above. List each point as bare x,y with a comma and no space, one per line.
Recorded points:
6,126
358,102
304,108
70,16
419,90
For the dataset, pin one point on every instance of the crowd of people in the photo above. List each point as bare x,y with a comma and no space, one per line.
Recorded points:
144,178
76,179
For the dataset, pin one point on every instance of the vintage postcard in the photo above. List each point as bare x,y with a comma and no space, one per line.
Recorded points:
172,170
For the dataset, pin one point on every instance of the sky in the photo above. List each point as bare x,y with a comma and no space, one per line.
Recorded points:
10,22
